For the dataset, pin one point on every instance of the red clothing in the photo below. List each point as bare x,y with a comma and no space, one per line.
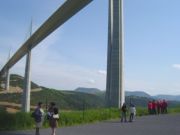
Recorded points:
154,105
164,104
149,105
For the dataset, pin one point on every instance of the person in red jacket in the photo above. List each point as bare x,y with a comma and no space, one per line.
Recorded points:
158,106
164,104
161,106
150,107
154,107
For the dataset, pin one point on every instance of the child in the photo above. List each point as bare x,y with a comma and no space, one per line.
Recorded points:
54,120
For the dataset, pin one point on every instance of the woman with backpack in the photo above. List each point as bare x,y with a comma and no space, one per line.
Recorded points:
53,121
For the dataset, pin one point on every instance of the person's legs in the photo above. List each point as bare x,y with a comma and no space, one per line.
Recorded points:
125,117
53,131
122,116
130,117
37,131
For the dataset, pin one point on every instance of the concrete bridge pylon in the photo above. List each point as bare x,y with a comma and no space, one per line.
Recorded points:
115,96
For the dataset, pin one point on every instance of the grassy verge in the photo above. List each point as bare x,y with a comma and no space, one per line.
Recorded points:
10,121
18,121
88,116
174,110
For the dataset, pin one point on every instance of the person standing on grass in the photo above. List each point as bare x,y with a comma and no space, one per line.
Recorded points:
54,120
38,117
123,113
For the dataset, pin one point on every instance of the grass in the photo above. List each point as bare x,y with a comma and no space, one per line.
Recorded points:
88,116
174,110
10,121
21,120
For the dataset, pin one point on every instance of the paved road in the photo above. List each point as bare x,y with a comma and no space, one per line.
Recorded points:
146,125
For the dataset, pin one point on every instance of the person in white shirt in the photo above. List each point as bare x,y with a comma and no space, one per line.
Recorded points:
132,111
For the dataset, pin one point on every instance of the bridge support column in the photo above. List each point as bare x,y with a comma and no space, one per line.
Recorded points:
114,87
27,84
7,79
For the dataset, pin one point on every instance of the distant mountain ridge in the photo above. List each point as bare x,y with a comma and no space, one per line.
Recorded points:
96,91
88,90
138,94
168,97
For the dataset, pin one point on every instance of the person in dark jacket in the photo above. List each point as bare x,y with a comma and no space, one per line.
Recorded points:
123,113
38,117
54,120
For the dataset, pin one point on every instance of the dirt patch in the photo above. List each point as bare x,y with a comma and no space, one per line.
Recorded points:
13,107
18,90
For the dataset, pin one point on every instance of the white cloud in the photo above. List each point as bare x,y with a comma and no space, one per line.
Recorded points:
91,81
66,76
102,72
177,66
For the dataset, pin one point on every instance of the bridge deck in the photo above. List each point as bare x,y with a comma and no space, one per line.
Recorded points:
146,125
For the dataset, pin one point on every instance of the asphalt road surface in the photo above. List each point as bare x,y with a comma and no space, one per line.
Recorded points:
146,125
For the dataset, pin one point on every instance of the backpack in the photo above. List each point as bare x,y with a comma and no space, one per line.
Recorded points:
37,115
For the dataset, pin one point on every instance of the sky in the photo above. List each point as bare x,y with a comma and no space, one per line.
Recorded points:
75,55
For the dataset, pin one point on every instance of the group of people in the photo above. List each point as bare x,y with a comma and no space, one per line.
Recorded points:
157,107
124,111
52,116
154,107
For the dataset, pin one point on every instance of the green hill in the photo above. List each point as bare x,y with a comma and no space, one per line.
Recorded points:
79,99
18,81
63,99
